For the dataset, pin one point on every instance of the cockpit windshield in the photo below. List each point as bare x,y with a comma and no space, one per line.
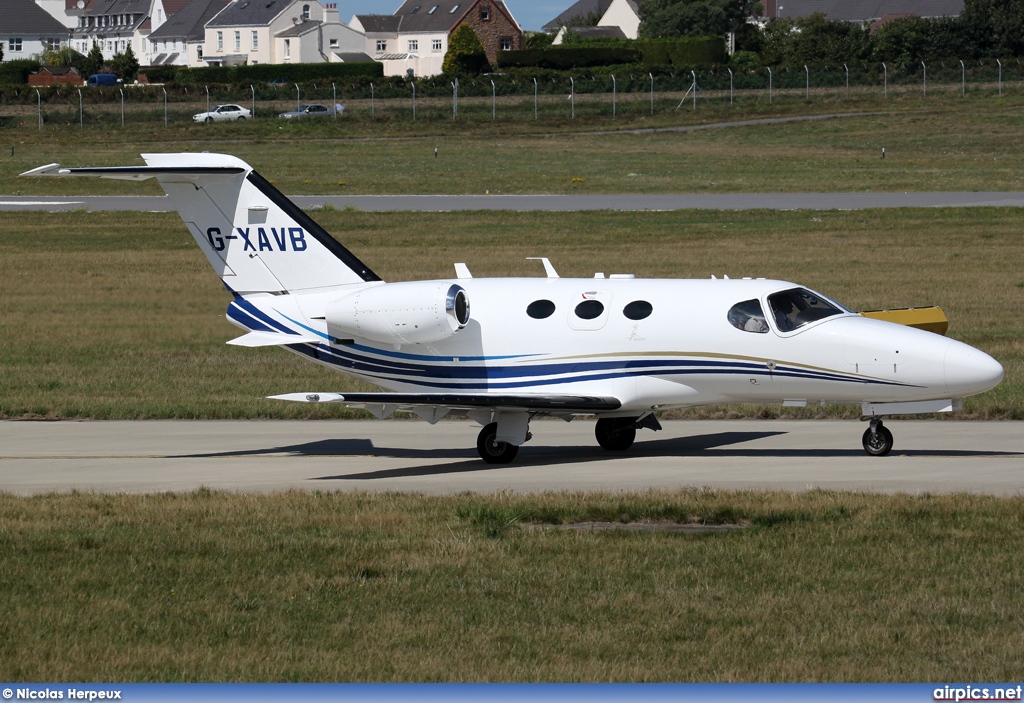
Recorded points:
748,316
794,308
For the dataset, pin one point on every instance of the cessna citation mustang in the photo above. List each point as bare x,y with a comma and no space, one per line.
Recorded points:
619,348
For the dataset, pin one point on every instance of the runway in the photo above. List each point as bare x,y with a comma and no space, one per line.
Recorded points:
551,203
406,455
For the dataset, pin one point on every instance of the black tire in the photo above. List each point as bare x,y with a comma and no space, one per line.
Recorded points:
879,442
615,434
494,452
209,119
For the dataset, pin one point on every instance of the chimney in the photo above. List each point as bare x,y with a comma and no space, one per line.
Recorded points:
331,13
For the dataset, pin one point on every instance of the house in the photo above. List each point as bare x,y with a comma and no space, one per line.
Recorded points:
578,14
864,12
620,18
113,25
179,40
55,76
27,29
415,38
279,32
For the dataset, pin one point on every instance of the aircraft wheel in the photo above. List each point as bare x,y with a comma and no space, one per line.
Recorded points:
879,442
492,451
616,434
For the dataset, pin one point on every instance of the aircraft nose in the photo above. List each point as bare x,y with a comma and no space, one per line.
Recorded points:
969,371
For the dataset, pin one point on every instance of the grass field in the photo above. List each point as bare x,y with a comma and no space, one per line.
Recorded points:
338,587
966,144
117,315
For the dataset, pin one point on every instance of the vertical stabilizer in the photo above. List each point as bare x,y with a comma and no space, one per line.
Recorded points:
254,237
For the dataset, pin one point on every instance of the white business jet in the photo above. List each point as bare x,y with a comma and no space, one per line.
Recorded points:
616,347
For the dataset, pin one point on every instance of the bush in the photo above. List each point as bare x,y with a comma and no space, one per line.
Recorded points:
292,73
689,52
16,71
465,53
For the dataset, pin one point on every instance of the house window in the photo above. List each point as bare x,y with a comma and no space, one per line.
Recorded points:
287,48
414,45
431,11
110,46
220,41
255,41
14,44
414,10
334,43
238,41
506,43
382,45
305,13
199,53
436,45
485,13
452,11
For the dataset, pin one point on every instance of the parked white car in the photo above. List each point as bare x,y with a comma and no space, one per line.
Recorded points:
222,113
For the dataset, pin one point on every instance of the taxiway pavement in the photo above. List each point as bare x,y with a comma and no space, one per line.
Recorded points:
407,455
553,203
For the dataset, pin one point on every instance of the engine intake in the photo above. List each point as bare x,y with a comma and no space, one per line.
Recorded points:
416,312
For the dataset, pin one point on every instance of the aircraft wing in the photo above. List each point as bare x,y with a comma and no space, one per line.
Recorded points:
429,404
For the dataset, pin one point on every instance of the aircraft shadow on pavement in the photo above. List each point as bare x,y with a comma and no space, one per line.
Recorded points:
465,459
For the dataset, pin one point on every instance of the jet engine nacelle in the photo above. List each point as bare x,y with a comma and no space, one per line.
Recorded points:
401,313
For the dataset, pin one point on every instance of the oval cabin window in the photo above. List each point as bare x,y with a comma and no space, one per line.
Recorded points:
539,309
638,310
589,309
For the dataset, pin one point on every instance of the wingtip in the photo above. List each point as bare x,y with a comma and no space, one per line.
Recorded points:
47,170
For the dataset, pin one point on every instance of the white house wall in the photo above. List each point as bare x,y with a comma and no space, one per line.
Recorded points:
620,14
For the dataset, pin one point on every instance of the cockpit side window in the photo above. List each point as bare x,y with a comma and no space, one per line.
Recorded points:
748,316
792,309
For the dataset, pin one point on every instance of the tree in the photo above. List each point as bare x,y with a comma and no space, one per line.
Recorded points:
125,64
694,18
93,62
537,40
999,24
465,52
61,57
814,39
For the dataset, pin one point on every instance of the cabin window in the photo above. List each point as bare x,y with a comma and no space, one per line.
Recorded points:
748,316
792,309
589,309
638,310
540,309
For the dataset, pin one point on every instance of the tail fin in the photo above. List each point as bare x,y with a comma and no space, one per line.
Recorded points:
254,237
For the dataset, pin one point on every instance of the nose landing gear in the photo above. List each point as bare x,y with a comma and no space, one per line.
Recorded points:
877,438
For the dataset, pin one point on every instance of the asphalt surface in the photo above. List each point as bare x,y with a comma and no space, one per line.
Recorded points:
401,455
554,203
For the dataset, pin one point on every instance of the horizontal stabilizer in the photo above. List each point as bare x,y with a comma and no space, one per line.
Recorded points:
268,339
462,401
135,173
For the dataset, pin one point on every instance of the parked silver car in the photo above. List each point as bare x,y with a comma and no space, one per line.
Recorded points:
314,110
222,113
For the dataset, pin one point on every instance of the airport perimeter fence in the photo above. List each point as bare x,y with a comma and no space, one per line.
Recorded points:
609,92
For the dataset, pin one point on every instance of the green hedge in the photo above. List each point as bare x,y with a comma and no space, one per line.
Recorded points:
568,57
691,52
292,73
16,71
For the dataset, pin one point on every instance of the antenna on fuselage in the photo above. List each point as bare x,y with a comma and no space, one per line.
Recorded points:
548,268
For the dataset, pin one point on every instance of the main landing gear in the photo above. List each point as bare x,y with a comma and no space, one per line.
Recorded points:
615,434
493,451
877,438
